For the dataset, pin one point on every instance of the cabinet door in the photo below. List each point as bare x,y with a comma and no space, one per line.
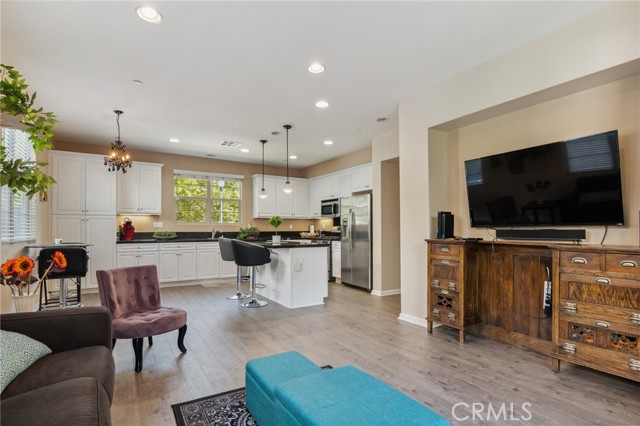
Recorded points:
101,233
150,189
361,178
330,187
228,269
283,200
300,201
67,195
100,188
71,228
314,199
127,260
264,207
168,265
187,269
345,184
147,258
335,260
128,190
208,263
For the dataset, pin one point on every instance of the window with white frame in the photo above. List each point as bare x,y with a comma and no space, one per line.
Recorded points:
207,198
18,211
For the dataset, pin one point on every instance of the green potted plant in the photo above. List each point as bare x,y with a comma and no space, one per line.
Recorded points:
275,221
250,232
17,174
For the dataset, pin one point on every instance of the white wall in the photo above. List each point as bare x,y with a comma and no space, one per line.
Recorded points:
594,44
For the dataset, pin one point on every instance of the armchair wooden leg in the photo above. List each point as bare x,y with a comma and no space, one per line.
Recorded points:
181,333
150,340
137,350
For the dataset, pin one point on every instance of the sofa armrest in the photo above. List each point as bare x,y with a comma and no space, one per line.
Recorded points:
63,329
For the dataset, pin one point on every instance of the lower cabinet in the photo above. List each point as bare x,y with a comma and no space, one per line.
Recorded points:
210,263
136,255
177,262
336,261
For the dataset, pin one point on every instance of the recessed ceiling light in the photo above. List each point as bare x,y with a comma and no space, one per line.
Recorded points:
382,119
328,142
322,104
293,157
244,150
210,155
358,130
316,68
174,140
137,82
149,14
275,133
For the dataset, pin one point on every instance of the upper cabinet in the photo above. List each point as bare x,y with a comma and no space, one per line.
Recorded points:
140,189
361,178
292,205
330,187
264,207
83,184
314,200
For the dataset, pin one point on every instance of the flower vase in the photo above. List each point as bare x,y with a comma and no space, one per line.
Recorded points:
26,303
275,239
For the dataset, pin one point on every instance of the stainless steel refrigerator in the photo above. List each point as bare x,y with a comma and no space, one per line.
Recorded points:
355,239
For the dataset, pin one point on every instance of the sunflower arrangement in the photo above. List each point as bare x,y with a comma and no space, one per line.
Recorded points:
17,273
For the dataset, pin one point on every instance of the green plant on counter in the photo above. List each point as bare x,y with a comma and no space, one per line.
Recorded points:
275,221
164,234
249,231
17,174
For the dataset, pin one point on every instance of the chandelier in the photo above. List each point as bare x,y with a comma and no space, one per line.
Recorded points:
118,159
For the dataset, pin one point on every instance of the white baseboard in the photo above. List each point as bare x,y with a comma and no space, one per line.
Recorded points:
413,320
386,292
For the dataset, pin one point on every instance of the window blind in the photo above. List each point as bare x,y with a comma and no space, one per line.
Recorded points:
590,154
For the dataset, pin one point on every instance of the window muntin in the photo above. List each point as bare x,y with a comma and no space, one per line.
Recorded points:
207,198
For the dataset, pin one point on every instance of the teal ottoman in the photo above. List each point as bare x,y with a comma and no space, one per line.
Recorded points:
262,375
347,396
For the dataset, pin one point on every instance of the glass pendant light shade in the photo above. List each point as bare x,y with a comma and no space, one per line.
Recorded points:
287,186
263,192
118,159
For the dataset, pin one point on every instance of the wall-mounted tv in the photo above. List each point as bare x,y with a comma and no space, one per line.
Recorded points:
567,183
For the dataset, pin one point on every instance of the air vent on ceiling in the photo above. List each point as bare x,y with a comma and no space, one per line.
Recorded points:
230,144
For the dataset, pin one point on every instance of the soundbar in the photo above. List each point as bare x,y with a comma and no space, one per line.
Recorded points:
541,234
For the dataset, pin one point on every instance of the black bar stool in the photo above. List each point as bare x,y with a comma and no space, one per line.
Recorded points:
226,252
249,254
77,267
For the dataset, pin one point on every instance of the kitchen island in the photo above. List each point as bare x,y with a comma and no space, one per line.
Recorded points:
297,274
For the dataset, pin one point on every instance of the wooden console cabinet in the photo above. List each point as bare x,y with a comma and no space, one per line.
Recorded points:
596,308
452,289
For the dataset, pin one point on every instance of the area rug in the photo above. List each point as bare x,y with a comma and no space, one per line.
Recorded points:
222,409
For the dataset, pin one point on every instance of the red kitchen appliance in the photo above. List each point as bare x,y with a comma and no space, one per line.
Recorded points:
127,230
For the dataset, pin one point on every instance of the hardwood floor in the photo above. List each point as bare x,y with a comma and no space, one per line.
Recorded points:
356,328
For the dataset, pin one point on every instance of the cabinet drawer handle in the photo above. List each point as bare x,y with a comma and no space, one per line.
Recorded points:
628,263
452,286
444,292
445,262
603,280
634,365
602,324
436,313
569,348
571,308
445,250
435,283
634,318
579,260
452,316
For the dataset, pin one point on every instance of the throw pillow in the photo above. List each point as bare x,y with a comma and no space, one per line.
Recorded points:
17,353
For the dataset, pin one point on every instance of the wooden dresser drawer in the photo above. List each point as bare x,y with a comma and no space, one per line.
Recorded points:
443,249
619,362
445,316
621,262
584,261
629,319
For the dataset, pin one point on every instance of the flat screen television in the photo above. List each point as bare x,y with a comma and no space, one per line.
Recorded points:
567,183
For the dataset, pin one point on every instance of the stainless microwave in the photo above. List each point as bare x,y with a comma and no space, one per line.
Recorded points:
330,208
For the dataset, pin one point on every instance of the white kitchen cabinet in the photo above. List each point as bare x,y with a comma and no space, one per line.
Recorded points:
130,254
336,261
300,200
314,199
83,185
264,207
99,232
361,178
345,184
177,262
140,189
283,200
210,263
330,187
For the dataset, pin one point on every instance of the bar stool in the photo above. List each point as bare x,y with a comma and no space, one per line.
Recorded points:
77,267
249,254
226,252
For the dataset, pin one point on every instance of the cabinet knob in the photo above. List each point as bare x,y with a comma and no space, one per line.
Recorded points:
569,348
603,280
435,283
634,318
445,262
445,249
602,324
628,263
634,365
579,260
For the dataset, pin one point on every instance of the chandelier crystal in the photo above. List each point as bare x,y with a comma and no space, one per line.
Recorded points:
118,159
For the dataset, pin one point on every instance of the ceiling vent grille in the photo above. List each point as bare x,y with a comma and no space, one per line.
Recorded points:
230,144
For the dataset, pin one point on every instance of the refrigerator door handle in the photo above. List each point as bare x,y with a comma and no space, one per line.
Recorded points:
352,237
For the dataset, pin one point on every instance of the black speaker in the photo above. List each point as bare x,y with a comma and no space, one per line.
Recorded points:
445,225
541,234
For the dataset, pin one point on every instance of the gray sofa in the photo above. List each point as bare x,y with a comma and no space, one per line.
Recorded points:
74,384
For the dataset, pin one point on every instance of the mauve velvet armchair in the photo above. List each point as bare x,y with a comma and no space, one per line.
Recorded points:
133,297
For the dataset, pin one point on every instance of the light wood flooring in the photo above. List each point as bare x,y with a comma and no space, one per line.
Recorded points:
356,328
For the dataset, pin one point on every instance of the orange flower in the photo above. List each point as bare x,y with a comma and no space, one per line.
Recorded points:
23,266
9,267
60,260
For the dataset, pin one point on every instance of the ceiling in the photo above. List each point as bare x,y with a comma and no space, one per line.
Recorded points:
237,71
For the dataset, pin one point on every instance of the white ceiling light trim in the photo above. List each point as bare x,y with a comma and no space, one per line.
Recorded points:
149,14
322,104
174,140
328,142
316,68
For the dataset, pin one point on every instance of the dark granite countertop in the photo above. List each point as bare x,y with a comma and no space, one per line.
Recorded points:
201,237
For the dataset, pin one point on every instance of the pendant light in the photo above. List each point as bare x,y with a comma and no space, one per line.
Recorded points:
263,192
287,186
118,158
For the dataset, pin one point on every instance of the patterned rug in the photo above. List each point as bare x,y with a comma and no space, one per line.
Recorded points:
223,409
